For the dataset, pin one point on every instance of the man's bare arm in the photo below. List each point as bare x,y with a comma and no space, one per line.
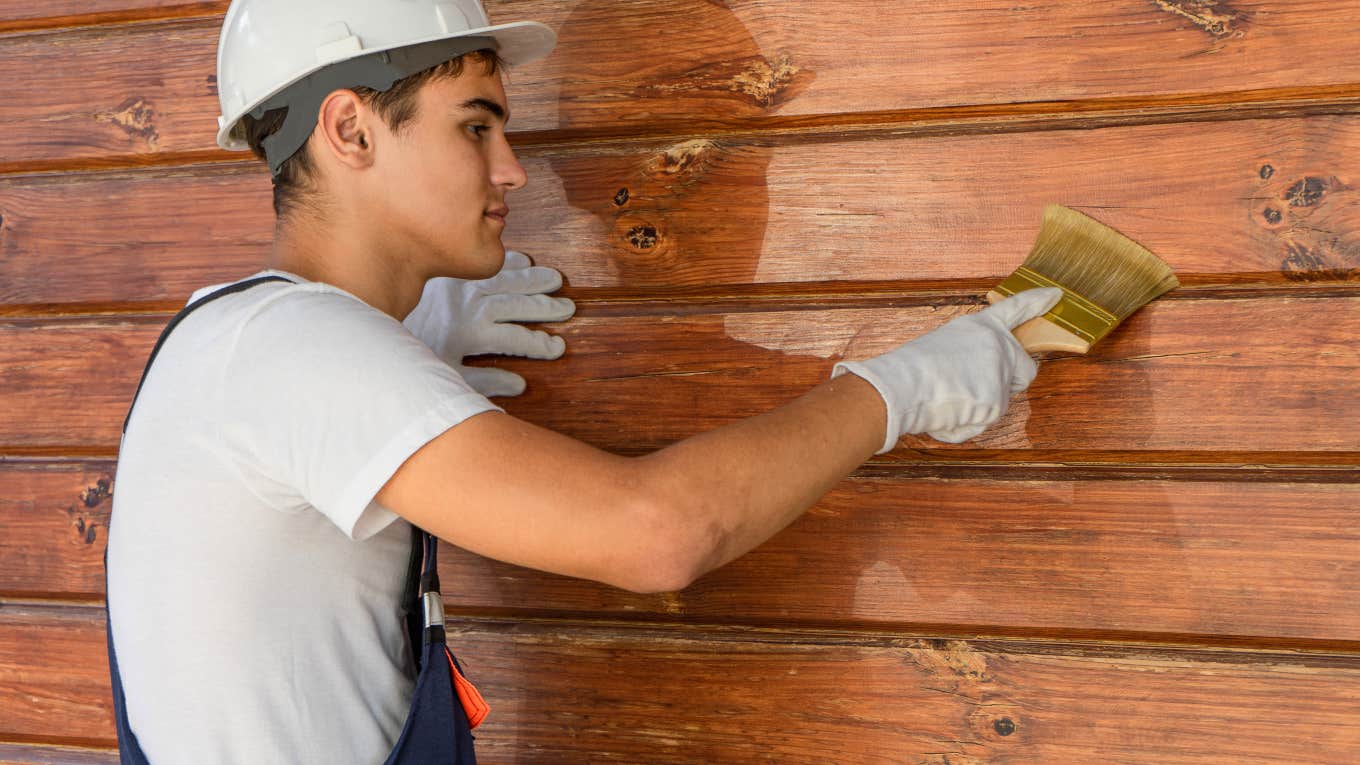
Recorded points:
510,490
741,484
516,492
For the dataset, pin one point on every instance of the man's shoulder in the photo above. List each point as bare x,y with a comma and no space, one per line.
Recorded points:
317,306
266,279
316,328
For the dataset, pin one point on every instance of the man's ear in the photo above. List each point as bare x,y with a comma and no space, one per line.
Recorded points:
343,124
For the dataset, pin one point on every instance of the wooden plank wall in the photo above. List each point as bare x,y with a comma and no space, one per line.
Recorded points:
1154,558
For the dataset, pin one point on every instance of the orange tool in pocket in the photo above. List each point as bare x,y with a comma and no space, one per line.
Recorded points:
473,703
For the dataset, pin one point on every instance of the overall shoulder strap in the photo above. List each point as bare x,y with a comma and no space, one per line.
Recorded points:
421,603
410,599
237,287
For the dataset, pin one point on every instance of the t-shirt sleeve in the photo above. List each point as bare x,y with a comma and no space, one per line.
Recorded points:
324,397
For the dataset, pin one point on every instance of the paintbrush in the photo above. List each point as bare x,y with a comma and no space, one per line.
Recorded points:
1104,275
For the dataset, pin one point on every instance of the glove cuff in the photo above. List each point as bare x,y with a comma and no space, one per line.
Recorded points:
863,370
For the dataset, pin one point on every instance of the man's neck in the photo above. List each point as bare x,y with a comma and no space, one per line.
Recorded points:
345,259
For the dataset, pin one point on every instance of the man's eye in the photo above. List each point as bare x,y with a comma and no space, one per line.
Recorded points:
476,129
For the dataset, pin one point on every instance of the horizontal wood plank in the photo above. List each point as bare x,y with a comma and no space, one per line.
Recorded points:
1207,562
1261,563
56,518
563,692
712,63
1163,380
54,677
759,698
1184,375
1262,202
39,754
13,10
27,15
91,94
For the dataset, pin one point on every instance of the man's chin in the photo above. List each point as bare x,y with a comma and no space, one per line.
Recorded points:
487,264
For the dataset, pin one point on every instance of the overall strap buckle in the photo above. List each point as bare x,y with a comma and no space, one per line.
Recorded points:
434,610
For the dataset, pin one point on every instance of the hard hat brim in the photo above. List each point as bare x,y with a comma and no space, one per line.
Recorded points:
520,42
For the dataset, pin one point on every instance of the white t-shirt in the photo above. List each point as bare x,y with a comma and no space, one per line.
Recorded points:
254,584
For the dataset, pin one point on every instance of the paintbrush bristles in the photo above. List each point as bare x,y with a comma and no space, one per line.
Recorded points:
1100,264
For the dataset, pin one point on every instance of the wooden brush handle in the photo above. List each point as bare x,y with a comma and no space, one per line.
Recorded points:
1043,335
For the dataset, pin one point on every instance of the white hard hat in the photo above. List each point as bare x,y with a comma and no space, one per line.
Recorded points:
273,53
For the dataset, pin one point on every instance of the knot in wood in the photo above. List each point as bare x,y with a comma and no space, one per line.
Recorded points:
642,237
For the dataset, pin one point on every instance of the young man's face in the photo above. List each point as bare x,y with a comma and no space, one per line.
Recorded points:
446,177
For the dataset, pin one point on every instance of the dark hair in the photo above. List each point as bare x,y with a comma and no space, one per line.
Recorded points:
296,183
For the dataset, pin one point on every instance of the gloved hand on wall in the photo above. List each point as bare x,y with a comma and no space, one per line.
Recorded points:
956,381
458,318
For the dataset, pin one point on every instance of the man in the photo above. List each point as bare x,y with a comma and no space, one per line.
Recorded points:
292,432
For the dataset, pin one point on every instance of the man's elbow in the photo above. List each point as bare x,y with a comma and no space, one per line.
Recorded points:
678,550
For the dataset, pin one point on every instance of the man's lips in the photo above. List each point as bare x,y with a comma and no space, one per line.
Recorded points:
498,213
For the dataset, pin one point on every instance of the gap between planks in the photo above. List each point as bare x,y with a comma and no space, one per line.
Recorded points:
540,626
622,302
1340,467
16,749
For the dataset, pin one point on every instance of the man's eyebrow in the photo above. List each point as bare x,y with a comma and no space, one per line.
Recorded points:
486,104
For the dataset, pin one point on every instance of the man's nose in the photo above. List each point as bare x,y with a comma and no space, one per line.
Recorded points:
506,169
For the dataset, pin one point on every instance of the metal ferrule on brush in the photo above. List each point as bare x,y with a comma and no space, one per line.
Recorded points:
1073,313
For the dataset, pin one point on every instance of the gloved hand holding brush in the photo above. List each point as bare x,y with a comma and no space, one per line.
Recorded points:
458,318
956,381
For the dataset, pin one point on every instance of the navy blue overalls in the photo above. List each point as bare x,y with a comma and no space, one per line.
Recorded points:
438,728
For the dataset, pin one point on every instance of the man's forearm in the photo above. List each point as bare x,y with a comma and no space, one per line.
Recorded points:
735,487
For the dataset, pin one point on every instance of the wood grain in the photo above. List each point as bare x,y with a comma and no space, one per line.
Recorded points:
1179,375
563,691
708,63
56,518
27,16
90,94
1261,202
1264,564
54,677
1206,562
38,754
760,698
1152,559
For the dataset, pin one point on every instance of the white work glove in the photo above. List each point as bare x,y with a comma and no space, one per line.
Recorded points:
458,318
956,381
